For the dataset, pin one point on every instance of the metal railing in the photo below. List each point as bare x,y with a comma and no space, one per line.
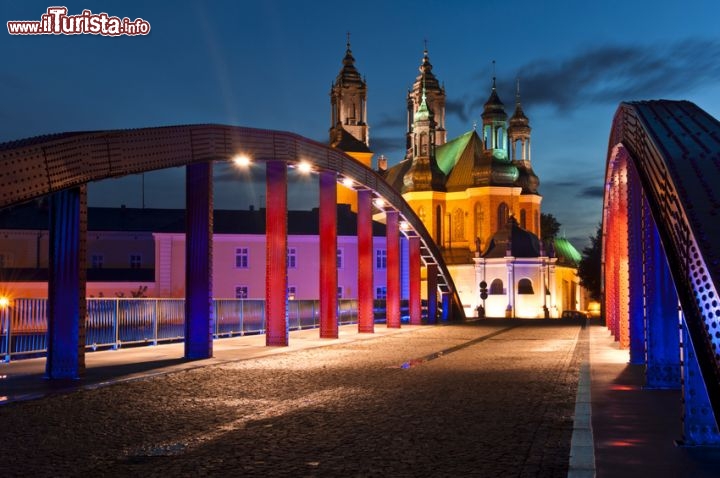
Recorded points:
112,323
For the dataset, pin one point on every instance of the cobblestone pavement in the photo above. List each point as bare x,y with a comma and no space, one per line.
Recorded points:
464,400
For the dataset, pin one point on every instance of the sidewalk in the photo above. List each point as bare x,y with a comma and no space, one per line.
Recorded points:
635,430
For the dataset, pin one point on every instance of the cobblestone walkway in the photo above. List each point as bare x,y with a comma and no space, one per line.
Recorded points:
467,400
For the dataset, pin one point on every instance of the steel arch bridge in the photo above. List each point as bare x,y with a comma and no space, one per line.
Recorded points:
61,165
661,255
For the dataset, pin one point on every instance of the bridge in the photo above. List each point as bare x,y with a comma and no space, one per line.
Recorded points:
661,255
60,166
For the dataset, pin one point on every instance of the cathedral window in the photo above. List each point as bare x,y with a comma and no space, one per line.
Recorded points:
525,287
502,215
458,218
496,287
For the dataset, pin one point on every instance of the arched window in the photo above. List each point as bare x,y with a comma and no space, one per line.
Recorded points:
496,287
423,144
487,136
500,141
502,215
525,287
458,218
523,218
421,213
478,219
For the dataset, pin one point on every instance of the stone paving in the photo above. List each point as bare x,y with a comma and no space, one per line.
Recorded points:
483,400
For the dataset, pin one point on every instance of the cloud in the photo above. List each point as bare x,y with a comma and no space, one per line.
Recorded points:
398,120
592,192
614,73
457,108
387,145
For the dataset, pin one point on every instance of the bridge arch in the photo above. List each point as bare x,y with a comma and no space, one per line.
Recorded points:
661,257
61,165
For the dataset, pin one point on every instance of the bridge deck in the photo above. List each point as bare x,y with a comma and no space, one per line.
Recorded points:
498,402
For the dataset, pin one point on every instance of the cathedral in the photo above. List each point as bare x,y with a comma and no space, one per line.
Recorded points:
477,195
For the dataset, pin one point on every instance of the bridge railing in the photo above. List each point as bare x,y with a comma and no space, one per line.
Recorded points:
112,323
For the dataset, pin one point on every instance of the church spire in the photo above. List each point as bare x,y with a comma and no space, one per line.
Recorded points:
424,173
348,102
435,99
519,136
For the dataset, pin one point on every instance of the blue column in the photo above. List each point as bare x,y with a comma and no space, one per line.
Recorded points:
661,312
446,306
699,425
67,306
198,261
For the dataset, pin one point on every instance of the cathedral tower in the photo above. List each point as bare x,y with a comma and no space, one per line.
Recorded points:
435,102
348,103
424,173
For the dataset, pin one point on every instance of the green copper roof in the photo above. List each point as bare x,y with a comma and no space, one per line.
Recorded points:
566,252
447,155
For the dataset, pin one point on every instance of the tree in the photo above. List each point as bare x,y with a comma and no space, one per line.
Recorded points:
590,265
549,227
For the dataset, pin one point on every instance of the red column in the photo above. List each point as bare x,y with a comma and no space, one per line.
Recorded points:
328,256
366,320
414,299
199,325
276,254
432,293
393,269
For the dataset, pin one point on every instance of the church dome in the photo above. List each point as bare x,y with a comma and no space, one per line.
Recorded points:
494,109
513,239
426,79
349,75
528,181
518,120
503,173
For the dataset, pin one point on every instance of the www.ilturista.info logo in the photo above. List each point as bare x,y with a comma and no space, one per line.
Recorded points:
57,22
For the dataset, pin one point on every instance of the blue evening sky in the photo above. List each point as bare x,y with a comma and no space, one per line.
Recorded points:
269,64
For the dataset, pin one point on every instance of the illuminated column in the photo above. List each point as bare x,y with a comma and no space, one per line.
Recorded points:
509,312
393,269
699,425
636,313
198,261
276,254
66,284
623,324
661,320
446,306
432,272
328,256
414,265
366,320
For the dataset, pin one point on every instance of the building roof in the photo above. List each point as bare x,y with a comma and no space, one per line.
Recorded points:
349,143
514,239
566,252
35,216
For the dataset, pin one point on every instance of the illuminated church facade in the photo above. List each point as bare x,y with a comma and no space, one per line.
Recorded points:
477,195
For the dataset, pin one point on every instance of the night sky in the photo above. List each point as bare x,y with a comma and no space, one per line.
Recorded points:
269,64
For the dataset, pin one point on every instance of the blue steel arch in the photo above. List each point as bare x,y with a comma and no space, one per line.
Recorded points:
664,158
34,167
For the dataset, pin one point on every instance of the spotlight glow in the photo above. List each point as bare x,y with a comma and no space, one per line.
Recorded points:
379,203
242,161
305,167
4,302
348,183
